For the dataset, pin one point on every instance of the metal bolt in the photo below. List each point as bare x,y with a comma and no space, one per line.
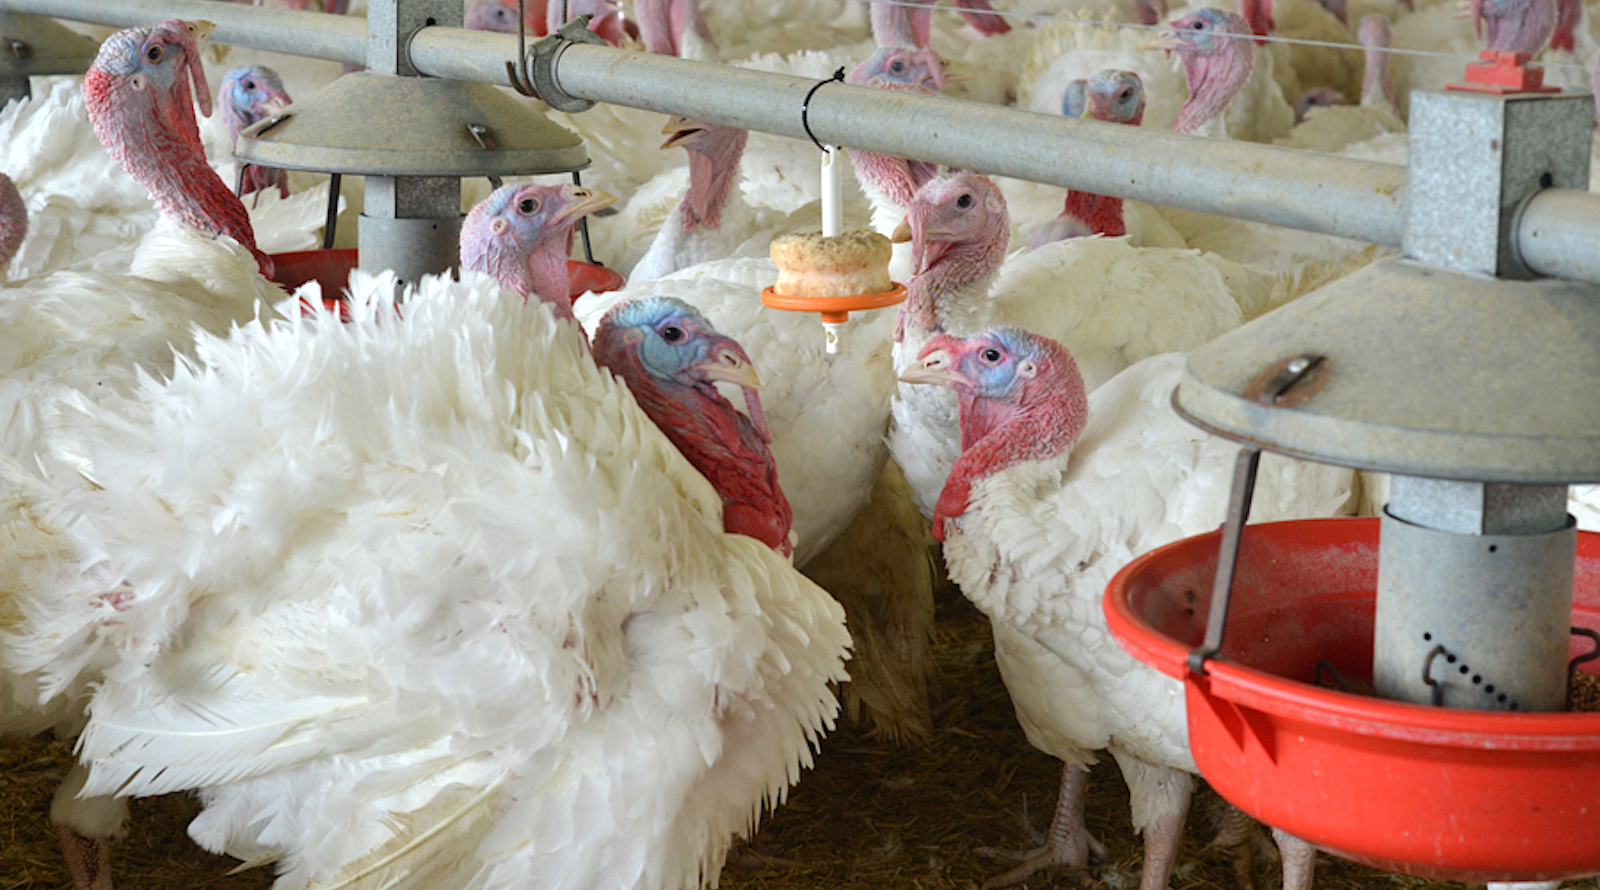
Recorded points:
481,135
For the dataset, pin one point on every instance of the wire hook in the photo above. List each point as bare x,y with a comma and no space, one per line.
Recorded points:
519,81
805,106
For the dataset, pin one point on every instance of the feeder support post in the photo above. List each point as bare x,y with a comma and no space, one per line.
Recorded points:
411,224
1475,577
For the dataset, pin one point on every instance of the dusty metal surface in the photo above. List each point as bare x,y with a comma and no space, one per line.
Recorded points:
32,46
1432,373
1478,508
1475,621
311,34
379,125
1474,159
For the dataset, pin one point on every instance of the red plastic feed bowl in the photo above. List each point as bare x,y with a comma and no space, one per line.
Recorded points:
332,269
1440,793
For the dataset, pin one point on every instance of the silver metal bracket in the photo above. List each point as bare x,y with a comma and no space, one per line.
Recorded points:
539,66
1475,161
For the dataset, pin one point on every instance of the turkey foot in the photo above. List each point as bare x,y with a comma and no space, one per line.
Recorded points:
88,859
1068,843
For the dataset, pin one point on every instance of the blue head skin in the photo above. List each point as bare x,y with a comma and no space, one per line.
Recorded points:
674,343
1075,101
900,65
251,93
1116,96
993,364
1198,30
1021,397
492,15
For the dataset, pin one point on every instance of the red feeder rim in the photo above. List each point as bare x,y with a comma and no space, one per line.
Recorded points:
1434,792
331,269
834,309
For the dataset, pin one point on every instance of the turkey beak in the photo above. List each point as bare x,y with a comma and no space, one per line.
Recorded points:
273,104
955,71
200,28
729,365
936,368
902,232
1166,41
678,129
581,202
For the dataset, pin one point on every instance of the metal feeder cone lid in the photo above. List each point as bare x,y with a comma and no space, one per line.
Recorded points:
381,125
1415,370
32,45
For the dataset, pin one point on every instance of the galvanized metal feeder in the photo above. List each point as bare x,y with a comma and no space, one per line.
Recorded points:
413,137
1475,385
34,46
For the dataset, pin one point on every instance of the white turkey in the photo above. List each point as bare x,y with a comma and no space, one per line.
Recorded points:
1229,98
1115,304
1055,490
1110,96
827,415
1232,94
713,220
1337,126
672,358
86,212
424,600
92,335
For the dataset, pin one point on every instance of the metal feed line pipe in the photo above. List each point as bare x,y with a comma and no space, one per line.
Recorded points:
1557,232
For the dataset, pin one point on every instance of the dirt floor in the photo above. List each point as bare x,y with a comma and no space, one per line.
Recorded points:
869,815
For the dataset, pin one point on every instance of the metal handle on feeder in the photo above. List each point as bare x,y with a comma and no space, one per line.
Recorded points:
1243,490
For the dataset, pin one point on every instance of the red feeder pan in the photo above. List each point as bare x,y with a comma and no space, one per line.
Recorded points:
332,269
1440,793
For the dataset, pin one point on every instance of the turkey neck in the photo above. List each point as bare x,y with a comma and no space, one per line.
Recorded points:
1524,28
712,178
655,27
723,445
1214,79
897,24
543,275
1376,86
159,145
996,434
1101,213
959,278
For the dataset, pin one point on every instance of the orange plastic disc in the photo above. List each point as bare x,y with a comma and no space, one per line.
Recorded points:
834,309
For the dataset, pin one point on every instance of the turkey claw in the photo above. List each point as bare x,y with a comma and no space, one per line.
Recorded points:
1051,855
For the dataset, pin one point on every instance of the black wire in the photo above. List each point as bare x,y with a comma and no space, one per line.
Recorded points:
805,107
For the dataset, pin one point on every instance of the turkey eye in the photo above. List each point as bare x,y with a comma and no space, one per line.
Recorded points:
1126,95
1199,26
672,333
991,355
897,67
153,53
249,86
527,206
964,201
